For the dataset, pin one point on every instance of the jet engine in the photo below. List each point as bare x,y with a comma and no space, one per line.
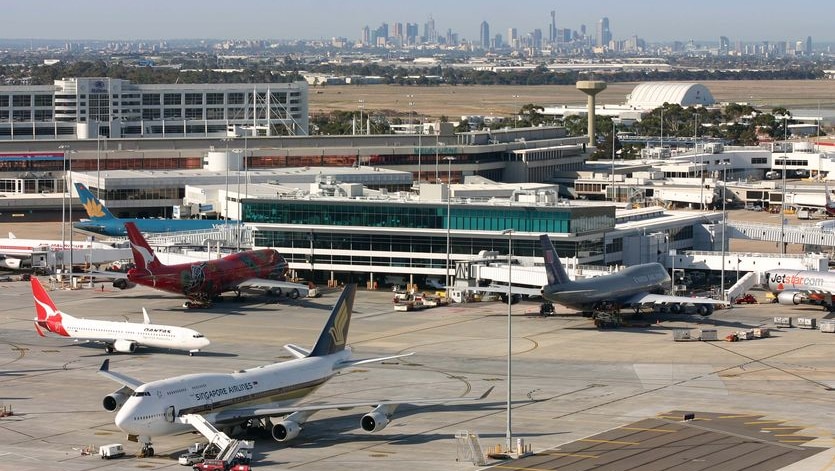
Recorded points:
790,297
124,346
286,430
704,309
377,419
10,263
114,400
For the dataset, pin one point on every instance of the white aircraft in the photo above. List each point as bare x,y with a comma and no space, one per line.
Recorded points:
167,406
122,337
16,253
794,287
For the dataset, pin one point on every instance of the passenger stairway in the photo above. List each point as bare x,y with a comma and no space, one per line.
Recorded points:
229,448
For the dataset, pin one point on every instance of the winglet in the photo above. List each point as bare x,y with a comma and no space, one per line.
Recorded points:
334,335
105,366
146,316
486,393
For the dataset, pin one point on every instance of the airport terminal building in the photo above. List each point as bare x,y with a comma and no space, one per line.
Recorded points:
89,107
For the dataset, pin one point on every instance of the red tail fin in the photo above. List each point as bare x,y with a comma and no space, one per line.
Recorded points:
44,306
48,316
143,255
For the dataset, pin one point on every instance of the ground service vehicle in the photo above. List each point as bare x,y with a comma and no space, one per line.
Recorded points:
113,450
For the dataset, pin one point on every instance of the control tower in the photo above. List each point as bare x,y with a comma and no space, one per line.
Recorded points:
591,88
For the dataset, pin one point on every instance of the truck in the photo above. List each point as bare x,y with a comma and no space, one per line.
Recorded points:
113,450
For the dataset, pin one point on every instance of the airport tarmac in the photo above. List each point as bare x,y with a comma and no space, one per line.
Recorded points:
570,381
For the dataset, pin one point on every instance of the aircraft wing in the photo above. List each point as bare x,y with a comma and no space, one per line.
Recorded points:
237,415
648,298
124,380
115,275
265,285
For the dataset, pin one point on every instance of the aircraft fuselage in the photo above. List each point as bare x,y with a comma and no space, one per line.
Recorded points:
616,288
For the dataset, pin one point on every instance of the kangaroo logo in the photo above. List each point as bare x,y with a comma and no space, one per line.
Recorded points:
147,256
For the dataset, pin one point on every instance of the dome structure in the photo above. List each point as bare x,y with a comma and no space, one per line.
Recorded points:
652,95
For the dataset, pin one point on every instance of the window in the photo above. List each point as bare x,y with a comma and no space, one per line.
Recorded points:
173,99
150,99
194,98
173,113
4,100
21,115
214,98
214,113
150,114
43,115
43,100
236,99
194,113
21,100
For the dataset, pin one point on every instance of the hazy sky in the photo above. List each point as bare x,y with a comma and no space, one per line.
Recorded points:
652,20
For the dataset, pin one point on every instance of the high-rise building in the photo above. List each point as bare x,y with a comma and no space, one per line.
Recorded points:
512,38
808,45
366,36
485,35
430,35
603,33
552,30
724,45
411,33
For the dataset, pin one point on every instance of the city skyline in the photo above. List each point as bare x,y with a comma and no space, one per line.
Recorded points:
653,20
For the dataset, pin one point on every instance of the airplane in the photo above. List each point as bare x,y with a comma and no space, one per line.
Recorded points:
123,337
102,221
793,287
633,287
827,210
16,254
173,405
201,282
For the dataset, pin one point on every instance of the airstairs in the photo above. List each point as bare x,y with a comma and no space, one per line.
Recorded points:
229,448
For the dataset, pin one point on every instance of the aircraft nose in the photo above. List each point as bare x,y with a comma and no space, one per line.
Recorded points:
123,419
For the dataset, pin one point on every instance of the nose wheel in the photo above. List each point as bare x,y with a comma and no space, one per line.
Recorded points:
147,451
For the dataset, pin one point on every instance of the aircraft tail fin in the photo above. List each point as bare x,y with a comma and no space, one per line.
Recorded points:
95,209
143,255
334,335
553,267
48,317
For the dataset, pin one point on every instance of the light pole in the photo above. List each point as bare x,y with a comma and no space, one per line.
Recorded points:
783,197
361,106
509,234
614,192
672,252
67,169
516,106
449,160
724,224
437,155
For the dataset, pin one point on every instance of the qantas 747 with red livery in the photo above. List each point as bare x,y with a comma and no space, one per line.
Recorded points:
201,282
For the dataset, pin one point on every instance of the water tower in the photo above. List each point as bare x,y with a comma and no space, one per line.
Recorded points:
591,88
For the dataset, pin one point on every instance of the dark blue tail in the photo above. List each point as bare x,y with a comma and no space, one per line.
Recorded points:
335,334
95,210
553,268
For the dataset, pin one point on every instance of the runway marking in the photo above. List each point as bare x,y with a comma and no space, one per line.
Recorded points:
574,455
760,422
678,418
659,430
740,416
782,428
616,442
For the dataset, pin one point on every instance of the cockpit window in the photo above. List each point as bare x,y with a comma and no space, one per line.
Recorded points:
198,336
142,394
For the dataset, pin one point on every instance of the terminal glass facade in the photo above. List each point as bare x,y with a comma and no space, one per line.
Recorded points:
428,216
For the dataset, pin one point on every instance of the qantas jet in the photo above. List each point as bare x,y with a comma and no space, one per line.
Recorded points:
116,336
172,405
203,281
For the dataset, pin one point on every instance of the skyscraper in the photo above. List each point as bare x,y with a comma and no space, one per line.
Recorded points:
603,33
552,30
512,38
485,35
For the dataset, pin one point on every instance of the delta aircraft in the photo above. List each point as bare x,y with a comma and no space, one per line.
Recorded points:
203,281
123,337
793,287
103,222
633,287
171,405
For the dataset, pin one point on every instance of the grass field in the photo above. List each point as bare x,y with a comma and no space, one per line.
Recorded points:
455,101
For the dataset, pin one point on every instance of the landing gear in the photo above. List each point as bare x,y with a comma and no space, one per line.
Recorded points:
109,348
147,450
196,304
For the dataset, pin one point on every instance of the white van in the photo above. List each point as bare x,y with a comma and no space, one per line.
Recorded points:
114,450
